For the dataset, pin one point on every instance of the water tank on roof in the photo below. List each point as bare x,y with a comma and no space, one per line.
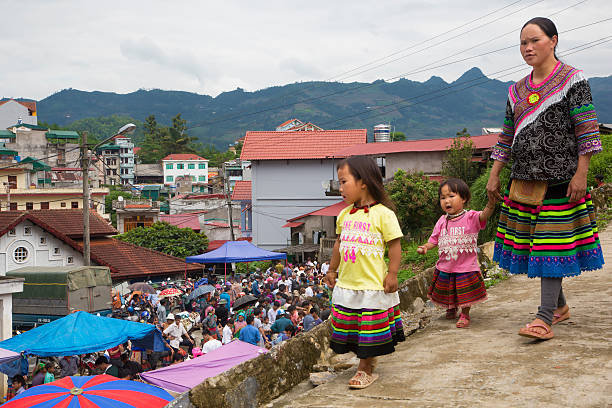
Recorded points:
382,133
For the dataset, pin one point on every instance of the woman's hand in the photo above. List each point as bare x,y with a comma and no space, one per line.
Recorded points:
330,278
577,187
492,188
422,249
390,283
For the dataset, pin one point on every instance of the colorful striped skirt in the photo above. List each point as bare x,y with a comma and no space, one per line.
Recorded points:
555,240
366,332
455,290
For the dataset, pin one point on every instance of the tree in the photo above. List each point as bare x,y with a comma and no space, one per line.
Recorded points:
167,238
397,136
160,141
458,162
480,199
416,199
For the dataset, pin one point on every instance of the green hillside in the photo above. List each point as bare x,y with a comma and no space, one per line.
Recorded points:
428,109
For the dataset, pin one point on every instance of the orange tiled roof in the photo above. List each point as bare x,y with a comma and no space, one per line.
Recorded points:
68,222
299,145
31,105
127,260
242,191
183,156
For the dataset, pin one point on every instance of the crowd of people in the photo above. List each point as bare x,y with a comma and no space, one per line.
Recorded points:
274,306
263,308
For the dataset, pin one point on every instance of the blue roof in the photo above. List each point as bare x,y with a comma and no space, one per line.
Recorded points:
234,251
82,332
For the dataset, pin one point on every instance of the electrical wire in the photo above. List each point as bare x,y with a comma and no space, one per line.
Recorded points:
280,106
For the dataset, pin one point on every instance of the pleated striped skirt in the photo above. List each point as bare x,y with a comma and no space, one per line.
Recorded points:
555,240
455,290
365,332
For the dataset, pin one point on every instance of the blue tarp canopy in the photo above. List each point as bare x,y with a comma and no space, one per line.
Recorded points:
82,332
235,251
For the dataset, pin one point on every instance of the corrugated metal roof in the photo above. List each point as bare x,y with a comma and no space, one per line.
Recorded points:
426,145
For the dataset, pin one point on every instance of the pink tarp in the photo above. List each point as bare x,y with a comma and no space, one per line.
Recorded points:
184,376
8,355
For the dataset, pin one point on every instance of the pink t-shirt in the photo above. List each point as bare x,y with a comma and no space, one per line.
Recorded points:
457,242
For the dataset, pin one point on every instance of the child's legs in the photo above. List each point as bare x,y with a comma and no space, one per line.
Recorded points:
549,298
365,364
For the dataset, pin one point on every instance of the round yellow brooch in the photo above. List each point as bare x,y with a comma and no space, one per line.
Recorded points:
534,98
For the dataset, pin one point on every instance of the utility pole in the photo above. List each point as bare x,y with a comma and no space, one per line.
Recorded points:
229,202
85,167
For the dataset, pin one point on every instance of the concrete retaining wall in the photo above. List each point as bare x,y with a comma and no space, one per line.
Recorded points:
268,376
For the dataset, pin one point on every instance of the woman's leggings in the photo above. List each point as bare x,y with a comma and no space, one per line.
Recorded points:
551,298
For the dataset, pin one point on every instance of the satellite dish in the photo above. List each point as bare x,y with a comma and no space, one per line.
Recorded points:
120,198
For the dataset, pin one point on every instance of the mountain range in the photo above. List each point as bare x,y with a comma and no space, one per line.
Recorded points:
430,109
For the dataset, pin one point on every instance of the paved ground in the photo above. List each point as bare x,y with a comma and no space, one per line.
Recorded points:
489,365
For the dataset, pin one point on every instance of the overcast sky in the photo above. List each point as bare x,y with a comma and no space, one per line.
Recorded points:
210,47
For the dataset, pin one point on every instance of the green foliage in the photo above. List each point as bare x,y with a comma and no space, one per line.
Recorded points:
115,192
496,276
102,127
458,162
412,263
246,267
167,238
215,157
479,201
397,136
601,163
160,141
416,201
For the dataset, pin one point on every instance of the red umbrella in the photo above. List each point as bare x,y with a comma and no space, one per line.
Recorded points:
170,292
100,391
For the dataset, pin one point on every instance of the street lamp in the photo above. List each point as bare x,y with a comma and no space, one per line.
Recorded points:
86,158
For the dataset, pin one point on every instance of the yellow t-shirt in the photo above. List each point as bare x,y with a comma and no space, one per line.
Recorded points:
363,237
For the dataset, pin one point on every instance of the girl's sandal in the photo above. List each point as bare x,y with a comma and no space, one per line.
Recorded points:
463,322
528,332
362,380
451,314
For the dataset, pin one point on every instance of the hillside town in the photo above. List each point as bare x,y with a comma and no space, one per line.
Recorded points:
323,243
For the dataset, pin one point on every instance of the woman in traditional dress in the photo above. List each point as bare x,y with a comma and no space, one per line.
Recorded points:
547,225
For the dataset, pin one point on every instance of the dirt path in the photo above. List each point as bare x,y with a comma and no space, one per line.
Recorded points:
489,365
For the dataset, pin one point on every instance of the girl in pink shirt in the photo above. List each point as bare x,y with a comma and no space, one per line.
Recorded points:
457,282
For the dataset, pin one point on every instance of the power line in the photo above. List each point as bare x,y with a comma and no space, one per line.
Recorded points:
363,86
570,51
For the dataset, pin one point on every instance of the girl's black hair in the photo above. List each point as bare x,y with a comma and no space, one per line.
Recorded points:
547,26
364,168
457,186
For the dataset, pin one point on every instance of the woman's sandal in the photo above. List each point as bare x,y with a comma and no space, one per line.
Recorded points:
451,314
363,380
463,322
559,317
527,332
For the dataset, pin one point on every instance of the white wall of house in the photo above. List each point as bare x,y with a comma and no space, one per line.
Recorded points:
427,162
284,189
43,249
11,111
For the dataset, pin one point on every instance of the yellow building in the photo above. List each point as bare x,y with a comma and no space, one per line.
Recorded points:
18,191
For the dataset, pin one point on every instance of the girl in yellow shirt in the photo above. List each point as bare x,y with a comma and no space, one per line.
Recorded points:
365,313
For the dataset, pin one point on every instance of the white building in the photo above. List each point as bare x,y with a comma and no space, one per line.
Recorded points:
183,170
126,160
13,111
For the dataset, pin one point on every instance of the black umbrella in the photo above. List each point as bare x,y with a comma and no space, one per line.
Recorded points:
142,287
244,302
